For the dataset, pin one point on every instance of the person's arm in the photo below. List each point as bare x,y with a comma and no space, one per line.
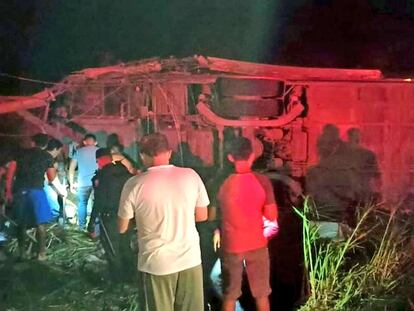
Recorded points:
11,170
201,213
212,213
216,239
51,174
71,174
123,225
270,212
60,188
119,157
216,212
201,210
270,228
270,207
126,206
125,161
97,203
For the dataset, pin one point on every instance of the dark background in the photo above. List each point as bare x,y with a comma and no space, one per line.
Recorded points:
49,39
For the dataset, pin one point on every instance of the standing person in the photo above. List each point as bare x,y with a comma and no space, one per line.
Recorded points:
85,160
8,152
30,205
166,201
117,152
55,189
108,183
245,198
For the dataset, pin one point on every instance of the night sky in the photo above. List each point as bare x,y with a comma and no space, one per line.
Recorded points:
49,39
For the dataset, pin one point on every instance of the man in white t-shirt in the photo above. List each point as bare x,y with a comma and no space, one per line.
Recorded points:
166,201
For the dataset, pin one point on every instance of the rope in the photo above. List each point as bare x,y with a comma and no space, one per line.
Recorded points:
63,82
13,135
27,79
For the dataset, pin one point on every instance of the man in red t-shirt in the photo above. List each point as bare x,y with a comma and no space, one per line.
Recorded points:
245,198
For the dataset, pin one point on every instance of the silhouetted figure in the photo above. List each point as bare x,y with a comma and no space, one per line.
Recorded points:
333,182
118,155
366,166
285,250
184,155
329,142
111,140
55,190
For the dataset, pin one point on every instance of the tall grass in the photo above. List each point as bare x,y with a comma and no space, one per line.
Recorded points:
365,270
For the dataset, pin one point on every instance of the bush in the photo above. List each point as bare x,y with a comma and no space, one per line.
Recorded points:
369,269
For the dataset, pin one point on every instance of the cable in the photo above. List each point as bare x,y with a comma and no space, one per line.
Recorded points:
27,79
14,135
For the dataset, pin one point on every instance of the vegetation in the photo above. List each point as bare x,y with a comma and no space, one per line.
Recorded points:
74,277
369,269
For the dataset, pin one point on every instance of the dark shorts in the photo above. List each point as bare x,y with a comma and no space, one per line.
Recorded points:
31,207
256,263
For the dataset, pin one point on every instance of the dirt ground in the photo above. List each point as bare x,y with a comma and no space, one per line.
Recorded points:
74,277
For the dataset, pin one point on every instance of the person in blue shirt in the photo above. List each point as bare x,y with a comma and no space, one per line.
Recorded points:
85,161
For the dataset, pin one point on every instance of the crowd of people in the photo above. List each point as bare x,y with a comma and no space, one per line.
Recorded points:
165,201
162,203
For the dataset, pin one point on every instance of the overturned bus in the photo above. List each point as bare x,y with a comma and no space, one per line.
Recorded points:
198,102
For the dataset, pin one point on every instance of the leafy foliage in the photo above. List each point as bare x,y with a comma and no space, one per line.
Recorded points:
369,269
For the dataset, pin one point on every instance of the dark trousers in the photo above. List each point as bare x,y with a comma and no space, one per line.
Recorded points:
121,259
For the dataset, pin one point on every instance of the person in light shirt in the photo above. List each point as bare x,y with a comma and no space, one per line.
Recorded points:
85,161
166,201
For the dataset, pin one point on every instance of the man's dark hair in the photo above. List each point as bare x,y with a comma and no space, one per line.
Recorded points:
53,144
102,152
111,140
89,135
154,144
40,140
240,148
